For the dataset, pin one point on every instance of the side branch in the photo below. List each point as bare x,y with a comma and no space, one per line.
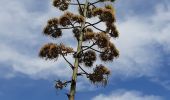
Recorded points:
72,67
92,24
75,4
95,27
78,2
83,70
88,47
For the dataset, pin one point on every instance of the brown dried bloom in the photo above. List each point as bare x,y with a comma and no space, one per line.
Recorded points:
52,29
89,57
49,51
99,75
102,39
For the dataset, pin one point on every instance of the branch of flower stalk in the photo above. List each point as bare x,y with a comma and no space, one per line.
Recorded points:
87,47
72,67
95,27
83,70
92,24
69,27
75,4
95,2
78,2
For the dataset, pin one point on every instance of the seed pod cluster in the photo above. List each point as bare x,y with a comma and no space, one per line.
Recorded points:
89,11
52,51
52,29
69,17
49,51
88,34
88,58
76,32
111,27
99,75
60,85
102,39
109,53
61,4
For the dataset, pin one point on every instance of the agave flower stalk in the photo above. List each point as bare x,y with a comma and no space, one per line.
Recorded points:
85,55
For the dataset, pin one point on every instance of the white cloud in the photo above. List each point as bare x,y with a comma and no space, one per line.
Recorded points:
127,95
33,67
137,54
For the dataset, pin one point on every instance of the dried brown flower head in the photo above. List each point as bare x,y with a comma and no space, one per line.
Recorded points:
107,16
61,4
109,53
89,58
52,29
88,34
49,51
102,39
99,75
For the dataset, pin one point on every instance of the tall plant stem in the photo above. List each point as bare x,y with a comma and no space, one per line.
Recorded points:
76,63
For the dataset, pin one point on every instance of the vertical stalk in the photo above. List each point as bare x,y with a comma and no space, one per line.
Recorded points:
76,63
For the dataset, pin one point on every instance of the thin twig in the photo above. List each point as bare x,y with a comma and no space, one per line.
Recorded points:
80,6
83,70
92,24
75,4
92,49
96,27
72,67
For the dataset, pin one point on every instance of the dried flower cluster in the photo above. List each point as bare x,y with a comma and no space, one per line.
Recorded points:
52,28
102,40
109,53
61,4
89,58
99,75
68,18
88,34
52,51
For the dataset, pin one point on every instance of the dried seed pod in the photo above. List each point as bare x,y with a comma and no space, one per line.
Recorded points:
60,85
89,57
61,4
64,21
88,34
56,3
65,50
107,16
78,18
102,40
97,11
101,69
49,51
99,75
109,53
52,28
76,32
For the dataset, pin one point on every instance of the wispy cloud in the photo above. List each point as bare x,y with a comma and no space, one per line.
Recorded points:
21,38
127,95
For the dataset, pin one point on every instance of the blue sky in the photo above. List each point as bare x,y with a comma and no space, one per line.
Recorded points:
140,73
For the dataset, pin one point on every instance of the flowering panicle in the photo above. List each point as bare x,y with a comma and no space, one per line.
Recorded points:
83,30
